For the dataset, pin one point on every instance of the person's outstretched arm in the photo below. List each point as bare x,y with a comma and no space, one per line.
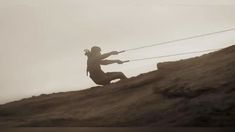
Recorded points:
106,55
106,62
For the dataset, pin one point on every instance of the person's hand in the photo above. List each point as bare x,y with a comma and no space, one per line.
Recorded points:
120,62
114,52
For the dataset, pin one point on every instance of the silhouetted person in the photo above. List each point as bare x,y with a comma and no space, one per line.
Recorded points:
95,59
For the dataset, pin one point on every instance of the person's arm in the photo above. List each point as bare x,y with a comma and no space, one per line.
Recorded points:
106,62
106,55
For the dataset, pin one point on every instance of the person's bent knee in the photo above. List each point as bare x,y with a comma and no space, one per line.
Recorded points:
123,76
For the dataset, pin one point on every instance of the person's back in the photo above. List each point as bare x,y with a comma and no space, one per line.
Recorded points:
95,59
94,69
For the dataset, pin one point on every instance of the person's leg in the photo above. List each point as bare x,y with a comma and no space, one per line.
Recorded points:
109,76
100,79
115,75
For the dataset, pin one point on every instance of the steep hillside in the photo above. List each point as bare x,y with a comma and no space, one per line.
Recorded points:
194,92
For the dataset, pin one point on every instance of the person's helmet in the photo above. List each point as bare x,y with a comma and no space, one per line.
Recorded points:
95,49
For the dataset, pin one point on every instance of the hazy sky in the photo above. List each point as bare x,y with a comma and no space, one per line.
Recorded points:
42,41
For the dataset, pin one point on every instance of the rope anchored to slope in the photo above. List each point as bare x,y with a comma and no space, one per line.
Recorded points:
185,53
173,41
177,40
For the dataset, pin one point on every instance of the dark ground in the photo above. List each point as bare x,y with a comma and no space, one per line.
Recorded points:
193,92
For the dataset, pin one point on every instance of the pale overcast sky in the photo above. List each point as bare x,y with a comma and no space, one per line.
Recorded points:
42,41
